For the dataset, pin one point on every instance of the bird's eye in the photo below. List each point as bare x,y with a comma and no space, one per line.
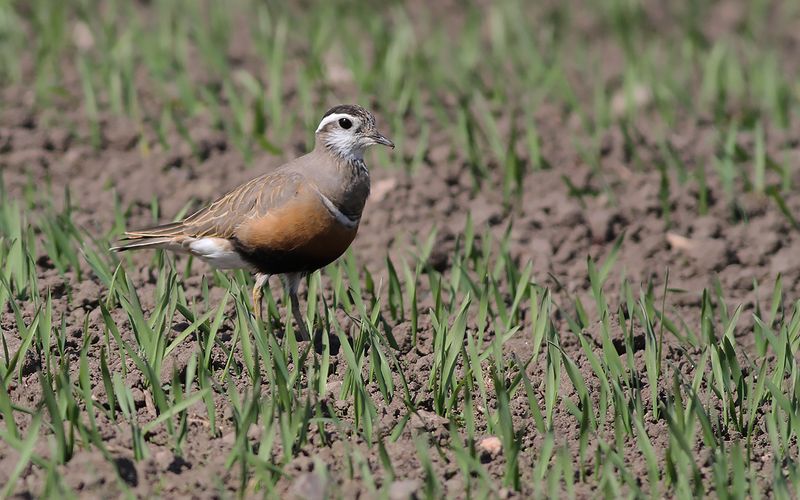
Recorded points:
345,123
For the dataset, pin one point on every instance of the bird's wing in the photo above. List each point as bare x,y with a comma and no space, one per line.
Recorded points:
221,218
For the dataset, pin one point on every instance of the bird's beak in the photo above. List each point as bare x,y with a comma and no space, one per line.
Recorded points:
380,139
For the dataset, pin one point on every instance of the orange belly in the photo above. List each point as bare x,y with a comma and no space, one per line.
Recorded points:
301,236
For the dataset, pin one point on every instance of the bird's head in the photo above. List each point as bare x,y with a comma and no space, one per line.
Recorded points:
347,130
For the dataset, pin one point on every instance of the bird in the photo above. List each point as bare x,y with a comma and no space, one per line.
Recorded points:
291,221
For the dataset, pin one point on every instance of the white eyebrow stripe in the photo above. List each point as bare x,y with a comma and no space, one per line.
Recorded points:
335,117
337,214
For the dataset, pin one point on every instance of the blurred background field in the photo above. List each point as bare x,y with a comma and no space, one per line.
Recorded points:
576,275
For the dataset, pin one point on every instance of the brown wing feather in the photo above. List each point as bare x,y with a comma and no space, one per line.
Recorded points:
250,200
220,219
168,229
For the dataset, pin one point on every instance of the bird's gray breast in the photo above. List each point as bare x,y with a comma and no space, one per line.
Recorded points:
356,193
346,189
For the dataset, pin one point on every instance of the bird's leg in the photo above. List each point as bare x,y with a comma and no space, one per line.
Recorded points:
299,318
292,284
258,293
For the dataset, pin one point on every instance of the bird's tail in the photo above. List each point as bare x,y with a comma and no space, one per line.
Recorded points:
167,236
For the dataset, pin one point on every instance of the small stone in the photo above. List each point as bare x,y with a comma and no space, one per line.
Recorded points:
679,242
491,445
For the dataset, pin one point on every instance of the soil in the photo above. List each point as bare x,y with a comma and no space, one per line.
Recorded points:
736,244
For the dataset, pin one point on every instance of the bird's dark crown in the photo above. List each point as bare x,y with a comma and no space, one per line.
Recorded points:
350,109
354,110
